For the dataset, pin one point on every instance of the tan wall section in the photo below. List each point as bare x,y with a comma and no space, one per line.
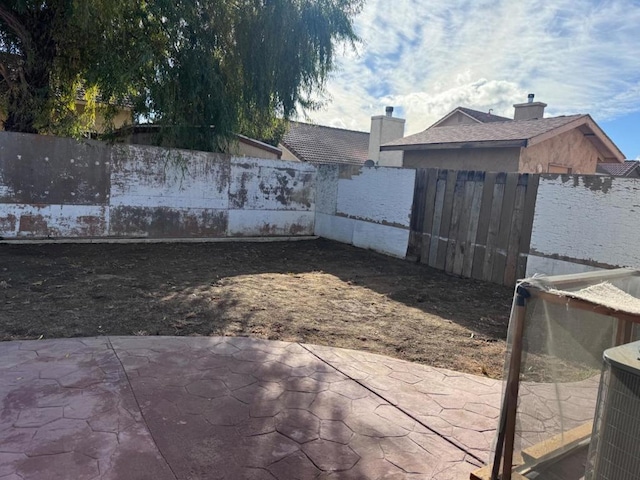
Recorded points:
123,117
570,149
244,150
481,159
287,154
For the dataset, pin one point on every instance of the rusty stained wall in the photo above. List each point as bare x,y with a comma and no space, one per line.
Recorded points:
157,192
271,197
57,187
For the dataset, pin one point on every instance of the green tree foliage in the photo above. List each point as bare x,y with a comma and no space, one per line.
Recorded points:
201,69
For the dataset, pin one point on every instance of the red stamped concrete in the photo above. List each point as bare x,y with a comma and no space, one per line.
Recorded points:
234,408
460,407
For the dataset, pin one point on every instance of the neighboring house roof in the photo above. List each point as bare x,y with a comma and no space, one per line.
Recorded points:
483,117
512,133
626,169
319,144
478,116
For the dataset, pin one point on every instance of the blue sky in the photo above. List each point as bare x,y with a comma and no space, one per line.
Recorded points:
426,57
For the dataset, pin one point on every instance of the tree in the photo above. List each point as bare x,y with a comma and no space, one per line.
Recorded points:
201,69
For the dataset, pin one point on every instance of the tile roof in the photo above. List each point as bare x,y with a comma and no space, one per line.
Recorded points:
512,130
483,117
319,144
618,169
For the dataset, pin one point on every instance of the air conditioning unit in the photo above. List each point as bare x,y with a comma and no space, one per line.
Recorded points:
614,453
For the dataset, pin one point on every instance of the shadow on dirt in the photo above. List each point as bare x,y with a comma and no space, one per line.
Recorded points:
68,290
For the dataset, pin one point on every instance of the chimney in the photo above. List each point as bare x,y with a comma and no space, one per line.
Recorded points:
385,128
530,110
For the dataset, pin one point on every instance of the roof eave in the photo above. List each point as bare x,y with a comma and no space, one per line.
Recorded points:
457,145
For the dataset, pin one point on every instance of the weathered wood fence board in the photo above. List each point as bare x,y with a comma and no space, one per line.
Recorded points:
473,224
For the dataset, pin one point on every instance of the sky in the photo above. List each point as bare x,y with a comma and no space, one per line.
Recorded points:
426,57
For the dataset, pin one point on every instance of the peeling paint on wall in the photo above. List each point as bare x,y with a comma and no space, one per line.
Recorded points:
165,222
53,220
587,221
257,223
150,177
271,185
58,187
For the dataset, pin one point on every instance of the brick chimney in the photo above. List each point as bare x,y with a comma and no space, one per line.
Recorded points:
385,128
530,110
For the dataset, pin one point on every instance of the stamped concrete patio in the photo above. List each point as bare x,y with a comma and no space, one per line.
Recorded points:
234,408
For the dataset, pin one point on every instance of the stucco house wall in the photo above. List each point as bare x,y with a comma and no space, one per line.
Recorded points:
287,154
569,149
487,159
242,149
120,119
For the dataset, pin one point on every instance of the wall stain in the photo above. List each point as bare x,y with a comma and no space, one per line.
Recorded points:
285,192
349,171
595,183
240,197
91,225
8,223
296,229
33,224
369,220
161,222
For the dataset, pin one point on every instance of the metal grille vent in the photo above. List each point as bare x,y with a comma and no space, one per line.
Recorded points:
615,444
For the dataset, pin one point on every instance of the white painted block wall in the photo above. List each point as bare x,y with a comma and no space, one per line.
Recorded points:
366,207
146,191
144,176
584,223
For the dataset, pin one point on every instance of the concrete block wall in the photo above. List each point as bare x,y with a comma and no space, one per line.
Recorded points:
62,188
366,207
585,223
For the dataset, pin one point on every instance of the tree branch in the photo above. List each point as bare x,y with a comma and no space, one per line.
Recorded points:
14,24
4,71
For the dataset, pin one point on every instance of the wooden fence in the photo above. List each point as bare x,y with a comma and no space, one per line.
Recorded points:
473,224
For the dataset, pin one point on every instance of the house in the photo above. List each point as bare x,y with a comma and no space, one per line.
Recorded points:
466,139
319,144
628,169
123,114
467,116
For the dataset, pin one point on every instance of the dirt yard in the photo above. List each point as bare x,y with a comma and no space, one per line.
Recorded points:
309,291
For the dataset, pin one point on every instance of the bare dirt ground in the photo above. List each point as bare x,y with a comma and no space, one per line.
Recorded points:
318,292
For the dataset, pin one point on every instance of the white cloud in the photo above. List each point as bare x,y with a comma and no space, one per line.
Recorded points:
428,56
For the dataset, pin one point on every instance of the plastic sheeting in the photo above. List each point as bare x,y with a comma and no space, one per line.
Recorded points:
569,321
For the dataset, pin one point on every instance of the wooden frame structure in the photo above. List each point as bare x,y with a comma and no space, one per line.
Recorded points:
556,447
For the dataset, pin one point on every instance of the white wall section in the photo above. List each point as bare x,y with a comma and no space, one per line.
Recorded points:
366,207
587,221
